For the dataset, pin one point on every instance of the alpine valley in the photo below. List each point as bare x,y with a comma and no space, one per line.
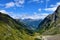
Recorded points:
15,29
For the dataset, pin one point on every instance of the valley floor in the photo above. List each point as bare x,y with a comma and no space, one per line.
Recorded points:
49,37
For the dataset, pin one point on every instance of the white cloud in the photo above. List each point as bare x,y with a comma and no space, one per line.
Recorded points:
19,3
15,16
37,1
39,9
26,16
52,7
10,13
10,4
34,16
4,11
58,3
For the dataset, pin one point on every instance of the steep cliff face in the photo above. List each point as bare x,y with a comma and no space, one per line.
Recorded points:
51,24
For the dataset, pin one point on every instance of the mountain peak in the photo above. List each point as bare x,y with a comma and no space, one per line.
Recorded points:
51,24
58,9
59,6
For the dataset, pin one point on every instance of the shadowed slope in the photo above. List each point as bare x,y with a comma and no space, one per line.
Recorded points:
51,24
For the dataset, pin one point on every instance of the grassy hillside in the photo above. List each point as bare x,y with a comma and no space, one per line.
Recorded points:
13,30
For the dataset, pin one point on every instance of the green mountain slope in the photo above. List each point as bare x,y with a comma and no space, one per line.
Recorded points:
10,29
51,24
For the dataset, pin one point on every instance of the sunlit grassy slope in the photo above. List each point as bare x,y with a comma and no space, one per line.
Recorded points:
13,30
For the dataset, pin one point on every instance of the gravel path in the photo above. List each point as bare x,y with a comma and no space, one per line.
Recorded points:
54,37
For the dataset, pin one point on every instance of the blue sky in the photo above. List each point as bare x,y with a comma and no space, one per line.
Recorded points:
34,9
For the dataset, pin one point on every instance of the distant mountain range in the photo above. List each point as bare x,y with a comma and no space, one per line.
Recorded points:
51,24
31,23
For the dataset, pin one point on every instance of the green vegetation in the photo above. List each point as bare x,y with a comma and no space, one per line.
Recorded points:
13,30
37,39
